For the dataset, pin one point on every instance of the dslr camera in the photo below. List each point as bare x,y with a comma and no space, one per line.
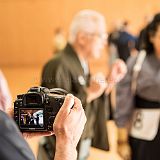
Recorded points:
37,109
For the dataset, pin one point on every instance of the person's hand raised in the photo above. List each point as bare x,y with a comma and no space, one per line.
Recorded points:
117,73
97,87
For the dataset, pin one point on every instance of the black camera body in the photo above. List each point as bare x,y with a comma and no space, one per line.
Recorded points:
37,109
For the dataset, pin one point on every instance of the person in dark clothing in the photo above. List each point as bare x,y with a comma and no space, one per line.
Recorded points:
123,41
31,119
126,43
70,70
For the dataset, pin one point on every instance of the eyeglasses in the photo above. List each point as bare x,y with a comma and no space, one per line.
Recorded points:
102,36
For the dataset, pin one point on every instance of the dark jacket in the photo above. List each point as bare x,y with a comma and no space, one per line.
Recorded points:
65,71
12,144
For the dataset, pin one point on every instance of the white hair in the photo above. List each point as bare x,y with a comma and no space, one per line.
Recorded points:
86,21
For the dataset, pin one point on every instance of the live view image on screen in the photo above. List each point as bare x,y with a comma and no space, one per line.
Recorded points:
31,118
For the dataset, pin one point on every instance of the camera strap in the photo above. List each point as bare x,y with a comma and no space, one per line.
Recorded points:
59,91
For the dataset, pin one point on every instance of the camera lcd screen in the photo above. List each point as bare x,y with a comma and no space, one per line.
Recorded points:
31,118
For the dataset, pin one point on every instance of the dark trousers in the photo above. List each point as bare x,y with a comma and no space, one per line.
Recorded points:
145,150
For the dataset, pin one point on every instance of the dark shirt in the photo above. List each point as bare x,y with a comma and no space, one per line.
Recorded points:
124,43
12,144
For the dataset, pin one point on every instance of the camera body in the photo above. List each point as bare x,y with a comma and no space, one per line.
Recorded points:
37,109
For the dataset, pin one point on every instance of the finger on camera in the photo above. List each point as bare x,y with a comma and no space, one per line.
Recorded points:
77,104
68,104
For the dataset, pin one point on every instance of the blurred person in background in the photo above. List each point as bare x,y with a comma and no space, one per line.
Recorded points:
112,41
59,40
5,96
122,41
70,70
138,100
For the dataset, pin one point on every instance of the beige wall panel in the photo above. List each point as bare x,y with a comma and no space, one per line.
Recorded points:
26,26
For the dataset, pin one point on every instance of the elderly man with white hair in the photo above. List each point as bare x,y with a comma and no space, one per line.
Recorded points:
69,70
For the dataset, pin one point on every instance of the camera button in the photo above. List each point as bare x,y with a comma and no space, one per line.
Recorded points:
50,128
47,100
15,112
51,119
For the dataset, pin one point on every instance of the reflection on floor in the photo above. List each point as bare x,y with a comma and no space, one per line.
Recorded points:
21,79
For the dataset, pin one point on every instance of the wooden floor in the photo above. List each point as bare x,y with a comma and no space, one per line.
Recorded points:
21,79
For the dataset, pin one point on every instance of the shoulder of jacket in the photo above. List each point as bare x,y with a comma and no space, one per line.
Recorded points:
55,61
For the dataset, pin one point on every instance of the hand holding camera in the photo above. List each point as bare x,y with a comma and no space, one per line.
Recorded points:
36,114
68,127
